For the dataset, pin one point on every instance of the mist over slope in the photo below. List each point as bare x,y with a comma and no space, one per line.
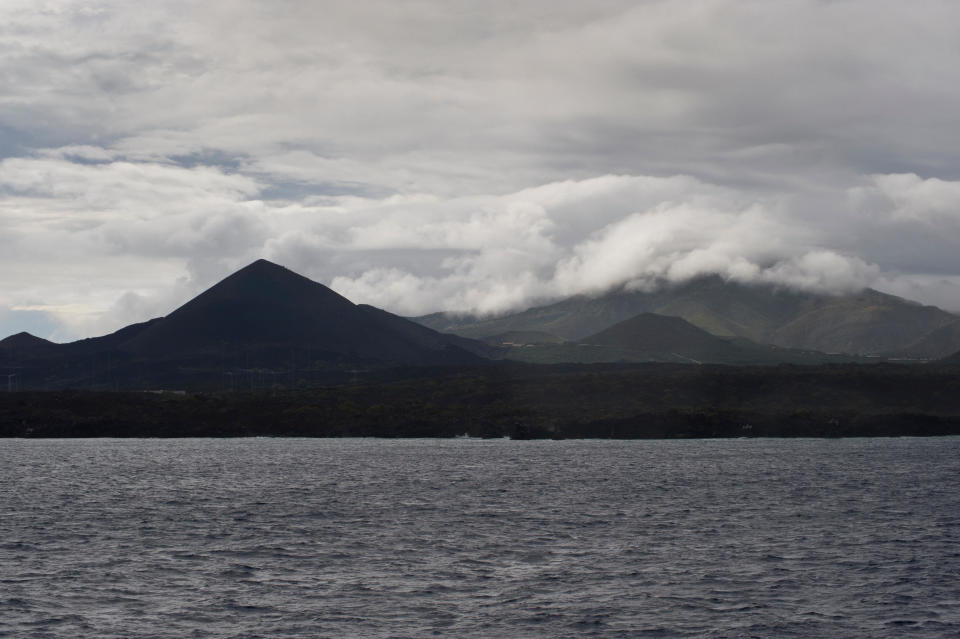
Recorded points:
868,322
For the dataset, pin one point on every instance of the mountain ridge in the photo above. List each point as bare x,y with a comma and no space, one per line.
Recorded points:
653,338
864,323
262,317
265,323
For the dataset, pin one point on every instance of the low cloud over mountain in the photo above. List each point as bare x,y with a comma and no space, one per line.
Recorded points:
457,156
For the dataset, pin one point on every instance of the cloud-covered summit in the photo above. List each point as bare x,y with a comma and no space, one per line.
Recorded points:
458,155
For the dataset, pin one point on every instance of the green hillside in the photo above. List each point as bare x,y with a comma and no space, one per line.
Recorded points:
864,323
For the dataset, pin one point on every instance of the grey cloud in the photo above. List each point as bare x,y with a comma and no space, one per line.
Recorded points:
34,322
634,87
422,155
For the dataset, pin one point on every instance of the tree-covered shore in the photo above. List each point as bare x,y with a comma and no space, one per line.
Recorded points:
510,400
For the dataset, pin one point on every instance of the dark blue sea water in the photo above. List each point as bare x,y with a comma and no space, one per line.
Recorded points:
475,538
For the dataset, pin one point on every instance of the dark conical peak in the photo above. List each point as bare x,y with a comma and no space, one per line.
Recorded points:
22,339
263,265
265,306
265,268
26,345
263,281
261,303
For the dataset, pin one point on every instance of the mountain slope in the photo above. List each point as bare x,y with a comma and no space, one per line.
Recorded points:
423,336
868,322
651,337
648,337
106,343
945,339
262,325
26,346
648,332
523,338
266,306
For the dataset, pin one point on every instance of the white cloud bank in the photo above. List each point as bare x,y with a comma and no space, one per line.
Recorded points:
593,235
418,253
455,155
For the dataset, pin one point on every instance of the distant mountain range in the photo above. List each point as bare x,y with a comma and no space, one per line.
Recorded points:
649,337
266,325
865,323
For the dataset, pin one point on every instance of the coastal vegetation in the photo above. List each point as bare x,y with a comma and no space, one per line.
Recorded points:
525,401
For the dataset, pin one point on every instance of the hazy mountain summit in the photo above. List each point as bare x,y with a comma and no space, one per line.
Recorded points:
649,337
868,322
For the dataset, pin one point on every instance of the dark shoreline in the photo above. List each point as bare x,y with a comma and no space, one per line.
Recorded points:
526,402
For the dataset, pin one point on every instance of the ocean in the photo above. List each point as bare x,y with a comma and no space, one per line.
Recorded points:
480,538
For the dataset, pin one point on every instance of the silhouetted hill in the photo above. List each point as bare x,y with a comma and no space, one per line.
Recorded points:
423,336
661,337
106,343
26,346
868,322
268,307
649,337
261,303
260,326
652,332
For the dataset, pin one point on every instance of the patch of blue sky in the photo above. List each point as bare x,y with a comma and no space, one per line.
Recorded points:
37,323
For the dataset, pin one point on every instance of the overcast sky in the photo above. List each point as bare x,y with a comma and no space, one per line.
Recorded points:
451,155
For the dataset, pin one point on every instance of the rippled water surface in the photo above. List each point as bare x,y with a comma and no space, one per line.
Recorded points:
474,538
